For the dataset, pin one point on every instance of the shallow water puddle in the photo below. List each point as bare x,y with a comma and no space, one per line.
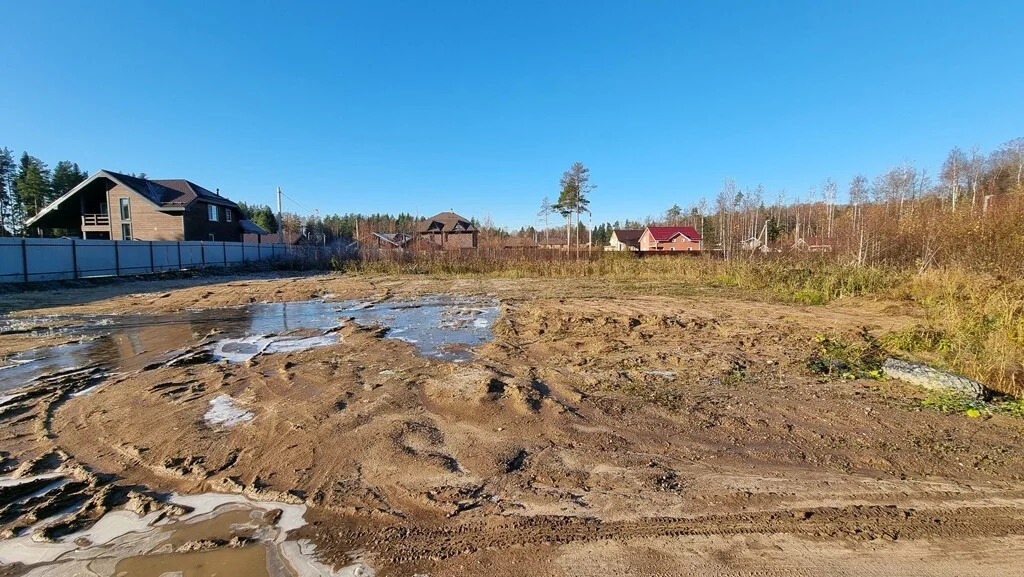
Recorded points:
224,535
243,349
441,326
223,411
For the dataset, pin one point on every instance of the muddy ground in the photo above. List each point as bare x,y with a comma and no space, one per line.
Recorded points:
608,429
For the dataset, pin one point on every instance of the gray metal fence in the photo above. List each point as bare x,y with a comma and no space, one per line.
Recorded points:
40,259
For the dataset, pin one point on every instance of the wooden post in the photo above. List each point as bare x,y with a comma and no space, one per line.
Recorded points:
202,248
117,260
24,259
152,262
74,259
224,247
180,265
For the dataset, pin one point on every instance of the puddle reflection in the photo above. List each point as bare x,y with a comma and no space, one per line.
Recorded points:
444,327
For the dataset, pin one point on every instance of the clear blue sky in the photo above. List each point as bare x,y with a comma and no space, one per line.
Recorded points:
422,106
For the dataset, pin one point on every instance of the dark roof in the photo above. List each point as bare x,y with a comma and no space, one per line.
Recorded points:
667,233
167,195
250,227
629,235
553,240
398,239
447,222
171,193
519,242
191,191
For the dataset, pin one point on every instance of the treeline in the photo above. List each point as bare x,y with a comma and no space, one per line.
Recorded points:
970,213
28,185
331,228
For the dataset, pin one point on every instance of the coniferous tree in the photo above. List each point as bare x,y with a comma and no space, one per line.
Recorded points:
265,218
32,184
573,199
66,175
7,194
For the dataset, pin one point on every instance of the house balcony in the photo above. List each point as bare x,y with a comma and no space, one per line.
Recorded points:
95,222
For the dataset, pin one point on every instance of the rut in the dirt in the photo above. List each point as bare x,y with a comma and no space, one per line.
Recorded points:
399,545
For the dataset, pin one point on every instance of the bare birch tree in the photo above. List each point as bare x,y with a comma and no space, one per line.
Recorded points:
954,169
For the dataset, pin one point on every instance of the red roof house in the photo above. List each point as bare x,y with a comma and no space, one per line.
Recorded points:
670,238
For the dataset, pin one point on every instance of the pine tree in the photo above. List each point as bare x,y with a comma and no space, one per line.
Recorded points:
7,194
66,175
32,184
573,199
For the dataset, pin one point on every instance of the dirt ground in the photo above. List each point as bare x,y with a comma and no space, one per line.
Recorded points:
608,429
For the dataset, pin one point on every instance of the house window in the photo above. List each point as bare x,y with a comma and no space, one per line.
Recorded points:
214,212
103,208
126,230
126,213
227,214
212,237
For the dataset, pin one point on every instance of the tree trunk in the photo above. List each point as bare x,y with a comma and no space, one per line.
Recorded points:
577,234
568,225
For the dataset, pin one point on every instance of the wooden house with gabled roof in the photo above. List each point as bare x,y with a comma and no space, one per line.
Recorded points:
113,206
449,231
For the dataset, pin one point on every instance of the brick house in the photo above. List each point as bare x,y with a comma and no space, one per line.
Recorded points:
670,239
449,231
113,206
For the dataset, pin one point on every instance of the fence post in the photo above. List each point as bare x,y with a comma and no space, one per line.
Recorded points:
152,261
224,248
24,258
259,252
180,265
202,248
74,259
117,260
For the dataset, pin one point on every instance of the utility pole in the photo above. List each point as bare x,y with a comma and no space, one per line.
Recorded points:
280,225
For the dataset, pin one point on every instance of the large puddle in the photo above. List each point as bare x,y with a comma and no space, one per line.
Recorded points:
222,535
441,326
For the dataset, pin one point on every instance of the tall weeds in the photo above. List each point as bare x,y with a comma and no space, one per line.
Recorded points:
804,280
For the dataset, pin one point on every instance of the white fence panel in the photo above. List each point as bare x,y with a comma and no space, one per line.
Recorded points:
251,252
192,254
133,257
49,259
96,258
40,259
12,268
165,256
235,253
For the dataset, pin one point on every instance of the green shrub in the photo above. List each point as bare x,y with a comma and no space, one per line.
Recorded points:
837,359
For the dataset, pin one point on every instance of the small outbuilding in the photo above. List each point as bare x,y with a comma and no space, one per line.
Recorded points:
625,240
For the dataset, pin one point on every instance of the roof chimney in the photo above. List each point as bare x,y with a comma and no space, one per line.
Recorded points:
217,191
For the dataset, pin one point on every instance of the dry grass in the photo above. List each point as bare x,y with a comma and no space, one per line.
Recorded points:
974,323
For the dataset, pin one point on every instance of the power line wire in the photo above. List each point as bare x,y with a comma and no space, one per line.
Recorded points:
297,203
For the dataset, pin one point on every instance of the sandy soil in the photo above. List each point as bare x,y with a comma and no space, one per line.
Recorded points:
655,429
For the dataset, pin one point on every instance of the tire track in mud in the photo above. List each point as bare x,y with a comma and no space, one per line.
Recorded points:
395,546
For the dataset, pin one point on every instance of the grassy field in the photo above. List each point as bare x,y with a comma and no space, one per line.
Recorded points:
972,322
